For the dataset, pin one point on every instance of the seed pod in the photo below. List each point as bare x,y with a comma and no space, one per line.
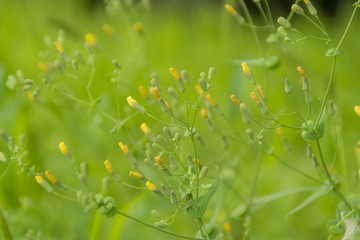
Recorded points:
185,76
315,161
332,110
250,133
211,73
288,88
297,9
283,22
282,31
173,198
311,8
203,172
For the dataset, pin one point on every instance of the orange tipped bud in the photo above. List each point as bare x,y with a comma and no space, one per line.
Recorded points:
301,71
204,114
150,186
174,73
51,177
198,162
59,47
108,29
199,89
155,92
259,88
253,95
227,227
230,9
234,99
108,166
168,105
136,175
159,161
357,110
124,148
280,132
39,179
211,100
245,68
143,91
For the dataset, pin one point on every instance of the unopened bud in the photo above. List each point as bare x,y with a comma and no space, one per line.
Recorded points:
202,84
281,30
173,198
283,22
305,85
246,113
173,93
185,76
203,172
309,152
173,163
332,110
250,133
211,73
297,9
288,88
311,8
74,64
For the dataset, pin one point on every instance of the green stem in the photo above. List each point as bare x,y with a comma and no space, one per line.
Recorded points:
326,93
256,178
158,229
348,26
330,178
317,26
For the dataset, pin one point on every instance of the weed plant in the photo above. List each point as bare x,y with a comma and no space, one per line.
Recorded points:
197,162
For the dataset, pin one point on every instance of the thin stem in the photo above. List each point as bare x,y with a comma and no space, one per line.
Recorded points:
317,25
158,229
330,178
326,93
291,12
347,27
256,178
269,14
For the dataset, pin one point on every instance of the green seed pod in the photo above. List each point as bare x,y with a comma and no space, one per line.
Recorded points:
203,172
155,213
167,132
185,75
173,93
116,64
84,169
282,31
283,22
211,73
315,161
74,64
311,8
28,82
3,158
11,144
297,9
207,186
109,207
22,140
82,179
165,190
305,85
106,183
79,56
173,198
173,163
332,110
309,152
250,133
288,88
200,139
163,105
202,84
161,224
160,139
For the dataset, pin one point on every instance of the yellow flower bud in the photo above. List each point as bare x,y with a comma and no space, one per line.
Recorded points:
143,92
124,148
145,128
150,186
301,71
108,166
59,47
199,89
259,88
159,161
154,91
234,99
39,179
174,73
227,227
211,100
51,177
230,9
63,149
108,29
357,110
138,27
253,95
136,175
204,114
245,68
90,39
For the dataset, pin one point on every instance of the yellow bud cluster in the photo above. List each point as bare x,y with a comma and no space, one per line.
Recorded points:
150,186
124,148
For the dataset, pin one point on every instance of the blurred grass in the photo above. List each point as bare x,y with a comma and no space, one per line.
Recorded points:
194,38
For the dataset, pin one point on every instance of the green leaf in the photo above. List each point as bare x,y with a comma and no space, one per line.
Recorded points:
321,191
260,202
334,229
202,203
310,133
270,62
210,230
332,52
121,124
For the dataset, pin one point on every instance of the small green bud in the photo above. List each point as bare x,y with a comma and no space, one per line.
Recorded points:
74,64
207,186
288,88
263,108
173,198
148,162
167,132
283,22
202,84
11,144
163,105
165,190
305,85
315,161
211,73
185,75
3,157
28,82
246,113
26,87
155,213
22,140
156,147
160,139
282,31
332,110
203,172
155,83
311,8
161,224
173,162
297,9
177,137
181,85
82,179
250,133
173,93
79,56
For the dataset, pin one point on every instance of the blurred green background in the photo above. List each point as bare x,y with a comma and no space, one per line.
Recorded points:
192,35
